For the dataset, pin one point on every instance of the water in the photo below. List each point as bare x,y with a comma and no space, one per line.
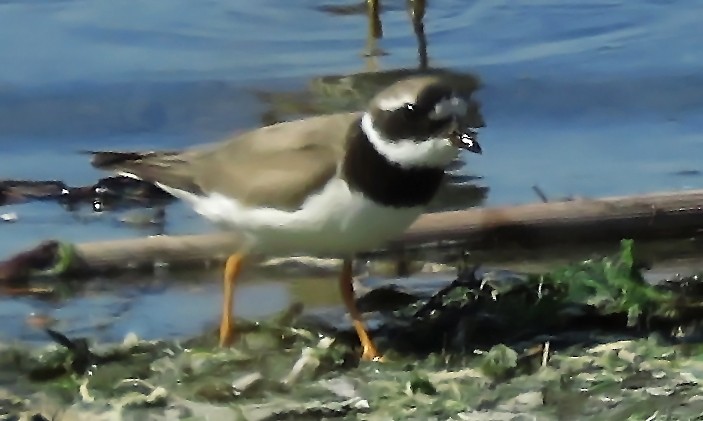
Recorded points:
594,99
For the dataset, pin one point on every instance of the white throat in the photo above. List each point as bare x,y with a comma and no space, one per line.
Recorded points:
433,152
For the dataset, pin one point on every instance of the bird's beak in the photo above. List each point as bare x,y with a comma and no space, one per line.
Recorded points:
468,141
465,139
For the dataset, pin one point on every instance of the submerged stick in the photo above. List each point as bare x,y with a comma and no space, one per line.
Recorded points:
645,217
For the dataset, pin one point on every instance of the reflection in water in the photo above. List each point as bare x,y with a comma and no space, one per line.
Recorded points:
372,9
340,93
375,26
416,10
417,15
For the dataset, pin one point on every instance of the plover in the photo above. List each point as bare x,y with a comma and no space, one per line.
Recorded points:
331,185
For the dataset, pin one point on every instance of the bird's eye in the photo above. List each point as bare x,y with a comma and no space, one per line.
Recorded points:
409,108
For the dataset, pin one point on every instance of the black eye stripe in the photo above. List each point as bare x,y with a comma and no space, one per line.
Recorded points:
414,109
431,96
415,120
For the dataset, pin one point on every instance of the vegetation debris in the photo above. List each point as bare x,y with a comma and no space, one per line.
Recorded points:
591,339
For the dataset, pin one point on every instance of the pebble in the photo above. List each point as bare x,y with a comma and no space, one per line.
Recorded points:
9,217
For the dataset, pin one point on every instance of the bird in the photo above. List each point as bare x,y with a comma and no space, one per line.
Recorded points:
328,185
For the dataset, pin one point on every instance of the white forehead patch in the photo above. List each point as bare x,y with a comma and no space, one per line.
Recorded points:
394,102
448,107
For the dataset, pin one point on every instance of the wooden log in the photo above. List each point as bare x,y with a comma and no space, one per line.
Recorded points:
643,217
646,217
137,253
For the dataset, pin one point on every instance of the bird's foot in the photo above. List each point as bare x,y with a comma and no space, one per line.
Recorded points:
370,353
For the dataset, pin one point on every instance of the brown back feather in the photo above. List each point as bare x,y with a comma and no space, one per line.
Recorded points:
276,166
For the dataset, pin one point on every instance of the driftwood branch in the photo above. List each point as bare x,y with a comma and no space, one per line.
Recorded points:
654,216
644,217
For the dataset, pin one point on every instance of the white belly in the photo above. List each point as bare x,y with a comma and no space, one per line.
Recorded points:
335,221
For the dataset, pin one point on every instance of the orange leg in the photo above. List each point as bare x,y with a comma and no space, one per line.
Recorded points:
345,286
375,26
232,268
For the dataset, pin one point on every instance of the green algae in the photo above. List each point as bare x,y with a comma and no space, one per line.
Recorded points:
591,340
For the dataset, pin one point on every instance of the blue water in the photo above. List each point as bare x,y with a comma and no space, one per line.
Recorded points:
595,99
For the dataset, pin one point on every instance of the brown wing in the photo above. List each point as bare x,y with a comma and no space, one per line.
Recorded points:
275,166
